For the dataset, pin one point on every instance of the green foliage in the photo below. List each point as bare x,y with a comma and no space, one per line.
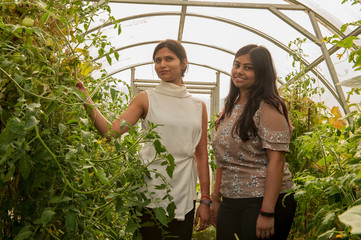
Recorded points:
331,183
58,178
350,47
325,154
352,217
325,160
299,91
210,134
353,1
207,234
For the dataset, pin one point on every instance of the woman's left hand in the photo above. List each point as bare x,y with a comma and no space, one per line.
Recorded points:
265,227
204,214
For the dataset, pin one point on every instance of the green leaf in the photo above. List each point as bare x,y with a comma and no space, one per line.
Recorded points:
159,148
45,17
32,122
328,218
358,201
148,224
46,216
18,78
348,42
161,186
86,68
61,128
72,121
85,121
102,177
116,55
161,216
131,227
119,204
332,190
113,94
329,159
327,235
25,166
171,211
71,221
86,135
171,165
101,52
71,153
63,20
51,108
16,126
352,217
10,172
59,199
24,233
33,106
344,27
86,179
109,59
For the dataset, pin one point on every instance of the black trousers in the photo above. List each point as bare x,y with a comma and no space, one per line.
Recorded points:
239,216
180,230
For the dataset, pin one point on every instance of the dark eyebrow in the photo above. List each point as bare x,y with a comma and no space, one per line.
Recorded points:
248,64
167,56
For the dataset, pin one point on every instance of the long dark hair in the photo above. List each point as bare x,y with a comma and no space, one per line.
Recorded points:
263,89
175,47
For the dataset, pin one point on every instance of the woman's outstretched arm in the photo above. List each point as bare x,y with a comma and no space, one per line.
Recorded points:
137,109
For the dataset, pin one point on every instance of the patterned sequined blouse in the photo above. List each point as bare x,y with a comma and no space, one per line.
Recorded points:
244,164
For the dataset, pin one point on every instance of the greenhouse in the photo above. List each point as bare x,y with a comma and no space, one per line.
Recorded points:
63,177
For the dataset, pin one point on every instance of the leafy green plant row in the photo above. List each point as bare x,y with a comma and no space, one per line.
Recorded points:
325,151
58,178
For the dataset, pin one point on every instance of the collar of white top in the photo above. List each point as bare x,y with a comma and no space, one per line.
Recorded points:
171,89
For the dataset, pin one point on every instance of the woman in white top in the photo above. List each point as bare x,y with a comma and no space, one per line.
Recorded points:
183,131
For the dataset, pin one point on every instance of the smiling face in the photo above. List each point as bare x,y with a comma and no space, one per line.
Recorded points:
168,66
243,75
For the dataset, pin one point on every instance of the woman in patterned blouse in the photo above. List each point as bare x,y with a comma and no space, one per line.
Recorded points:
253,136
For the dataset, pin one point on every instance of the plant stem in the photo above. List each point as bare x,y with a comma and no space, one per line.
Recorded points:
61,169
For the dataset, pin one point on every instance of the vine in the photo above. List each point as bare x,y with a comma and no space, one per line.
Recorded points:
59,179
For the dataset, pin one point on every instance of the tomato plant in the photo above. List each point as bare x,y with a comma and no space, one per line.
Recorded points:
59,179
325,161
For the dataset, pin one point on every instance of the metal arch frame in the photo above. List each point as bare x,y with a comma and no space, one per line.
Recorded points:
246,27
191,63
324,21
149,63
315,71
213,93
208,88
275,9
157,41
294,5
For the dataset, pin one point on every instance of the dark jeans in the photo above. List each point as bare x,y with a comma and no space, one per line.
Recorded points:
179,230
239,216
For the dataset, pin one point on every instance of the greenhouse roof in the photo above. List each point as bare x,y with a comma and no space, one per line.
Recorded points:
212,31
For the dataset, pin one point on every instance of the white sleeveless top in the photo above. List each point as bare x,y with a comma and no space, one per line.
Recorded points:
180,115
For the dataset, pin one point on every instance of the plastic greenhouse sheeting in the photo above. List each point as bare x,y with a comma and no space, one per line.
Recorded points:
213,31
